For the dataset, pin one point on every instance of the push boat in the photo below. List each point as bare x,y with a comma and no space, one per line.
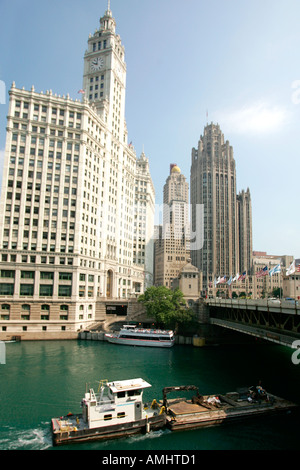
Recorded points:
132,336
115,410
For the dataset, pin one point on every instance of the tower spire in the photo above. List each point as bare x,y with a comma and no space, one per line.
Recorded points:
108,11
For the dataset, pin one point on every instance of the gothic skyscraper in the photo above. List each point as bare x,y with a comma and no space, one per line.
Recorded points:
213,186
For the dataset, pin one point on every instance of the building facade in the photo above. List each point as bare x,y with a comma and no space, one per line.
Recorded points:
244,210
189,281
67,208
143,237
264,286
226,217
172,242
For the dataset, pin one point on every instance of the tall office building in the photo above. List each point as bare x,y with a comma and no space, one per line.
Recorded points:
67,208
172,243
143,238
213,187
244,207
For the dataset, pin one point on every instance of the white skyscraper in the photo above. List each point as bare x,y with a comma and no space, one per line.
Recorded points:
172,246
67,208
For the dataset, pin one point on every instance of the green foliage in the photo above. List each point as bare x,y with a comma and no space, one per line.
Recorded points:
167,307
277,292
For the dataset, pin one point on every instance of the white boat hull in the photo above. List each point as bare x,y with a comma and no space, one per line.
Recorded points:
139,342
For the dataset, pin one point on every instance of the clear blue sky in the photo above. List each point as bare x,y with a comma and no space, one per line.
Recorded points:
238,59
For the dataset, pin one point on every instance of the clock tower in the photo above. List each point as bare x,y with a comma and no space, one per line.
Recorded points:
104,79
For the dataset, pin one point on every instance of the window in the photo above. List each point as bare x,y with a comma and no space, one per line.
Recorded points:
25,314
81,291
27,274
134,393
47,275
121,415
26,289
107,417
6,289
64,291
7,273
46,290
65,276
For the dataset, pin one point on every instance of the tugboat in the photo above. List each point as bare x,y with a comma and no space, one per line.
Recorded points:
115,411
130,335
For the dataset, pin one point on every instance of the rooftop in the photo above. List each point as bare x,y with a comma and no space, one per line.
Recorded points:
124,385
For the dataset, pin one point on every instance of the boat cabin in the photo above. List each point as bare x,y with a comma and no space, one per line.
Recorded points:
129,327
115,403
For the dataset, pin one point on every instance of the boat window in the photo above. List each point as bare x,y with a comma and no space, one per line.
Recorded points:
107,417
121,394
121,415
134,393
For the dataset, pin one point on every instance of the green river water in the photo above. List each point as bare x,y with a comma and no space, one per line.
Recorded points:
41,380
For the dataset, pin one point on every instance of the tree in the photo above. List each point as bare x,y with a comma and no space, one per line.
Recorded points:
277,292
167,307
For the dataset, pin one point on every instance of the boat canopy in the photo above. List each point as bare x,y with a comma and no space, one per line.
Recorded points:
125,385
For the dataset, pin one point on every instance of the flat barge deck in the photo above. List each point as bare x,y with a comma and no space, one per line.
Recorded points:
182,414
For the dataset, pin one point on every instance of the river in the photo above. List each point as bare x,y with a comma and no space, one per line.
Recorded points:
41,380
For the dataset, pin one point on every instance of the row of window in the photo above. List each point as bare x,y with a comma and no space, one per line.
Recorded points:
67,167
45,290
44,108
96,96
44,308
63,276
41,259
43,119
24,328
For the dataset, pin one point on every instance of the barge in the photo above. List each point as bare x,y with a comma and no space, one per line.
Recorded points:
115,411
210,410
130,335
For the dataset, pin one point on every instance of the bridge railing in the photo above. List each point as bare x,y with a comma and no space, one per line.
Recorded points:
280,305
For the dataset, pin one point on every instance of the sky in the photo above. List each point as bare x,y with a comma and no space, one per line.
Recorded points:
231,62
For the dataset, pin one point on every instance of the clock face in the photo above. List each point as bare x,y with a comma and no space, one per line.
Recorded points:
97,64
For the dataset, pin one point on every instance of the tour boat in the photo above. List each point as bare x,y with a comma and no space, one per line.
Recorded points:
133,336
115,411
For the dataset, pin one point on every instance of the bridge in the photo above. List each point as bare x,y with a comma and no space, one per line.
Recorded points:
272,320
